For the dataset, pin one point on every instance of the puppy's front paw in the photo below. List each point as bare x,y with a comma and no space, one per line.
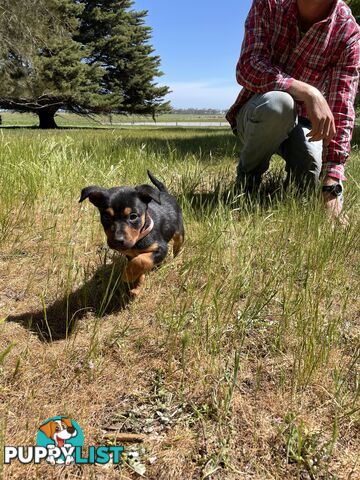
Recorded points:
137,286
134,292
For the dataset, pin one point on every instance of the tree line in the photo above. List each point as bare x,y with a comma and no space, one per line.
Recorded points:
197,111
84,56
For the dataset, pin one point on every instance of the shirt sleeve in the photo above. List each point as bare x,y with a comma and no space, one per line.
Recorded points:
254,70
343,83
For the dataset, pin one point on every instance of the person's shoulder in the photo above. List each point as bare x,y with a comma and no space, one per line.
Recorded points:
344,15
346,25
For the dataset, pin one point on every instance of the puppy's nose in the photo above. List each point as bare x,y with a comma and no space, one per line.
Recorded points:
120,239
71,430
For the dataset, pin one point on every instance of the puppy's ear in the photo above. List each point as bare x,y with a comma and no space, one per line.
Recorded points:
49,428
148,193
98,196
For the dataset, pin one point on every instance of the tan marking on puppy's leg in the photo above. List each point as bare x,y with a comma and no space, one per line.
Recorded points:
138,285
138,266
178,241
133,252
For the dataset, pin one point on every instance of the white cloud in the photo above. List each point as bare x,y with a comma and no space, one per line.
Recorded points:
212,94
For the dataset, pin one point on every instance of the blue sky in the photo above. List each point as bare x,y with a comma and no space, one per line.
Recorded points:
199,43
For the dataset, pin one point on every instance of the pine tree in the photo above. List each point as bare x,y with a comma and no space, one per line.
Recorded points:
118,39
41,68
83,56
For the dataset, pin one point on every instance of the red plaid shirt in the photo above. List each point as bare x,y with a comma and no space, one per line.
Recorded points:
274,53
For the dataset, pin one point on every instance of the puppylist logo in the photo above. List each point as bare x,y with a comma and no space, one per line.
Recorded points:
60,441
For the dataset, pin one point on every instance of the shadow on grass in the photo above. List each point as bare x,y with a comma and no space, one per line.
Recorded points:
270,191
208,145
102,294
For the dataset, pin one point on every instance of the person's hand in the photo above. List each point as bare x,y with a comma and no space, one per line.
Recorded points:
333,205
320,116
318,110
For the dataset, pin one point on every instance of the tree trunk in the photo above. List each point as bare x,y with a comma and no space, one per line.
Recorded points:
46,118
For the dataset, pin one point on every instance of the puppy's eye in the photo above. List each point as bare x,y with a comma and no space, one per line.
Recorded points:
133,217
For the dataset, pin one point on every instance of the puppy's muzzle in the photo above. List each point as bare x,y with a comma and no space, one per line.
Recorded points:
120,242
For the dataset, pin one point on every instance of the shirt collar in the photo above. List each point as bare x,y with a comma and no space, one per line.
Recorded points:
291,6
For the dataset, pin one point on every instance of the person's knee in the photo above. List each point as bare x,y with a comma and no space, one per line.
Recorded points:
277,108
264,125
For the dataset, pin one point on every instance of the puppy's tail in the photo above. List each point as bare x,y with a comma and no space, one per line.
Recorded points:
157,182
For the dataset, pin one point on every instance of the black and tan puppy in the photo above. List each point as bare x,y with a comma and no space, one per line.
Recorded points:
138,222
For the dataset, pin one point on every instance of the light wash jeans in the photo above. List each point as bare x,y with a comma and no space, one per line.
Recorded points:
268,124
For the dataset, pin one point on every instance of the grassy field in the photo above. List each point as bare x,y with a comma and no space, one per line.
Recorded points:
13,119
239,359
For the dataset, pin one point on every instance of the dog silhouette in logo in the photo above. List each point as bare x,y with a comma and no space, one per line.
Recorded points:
59,431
